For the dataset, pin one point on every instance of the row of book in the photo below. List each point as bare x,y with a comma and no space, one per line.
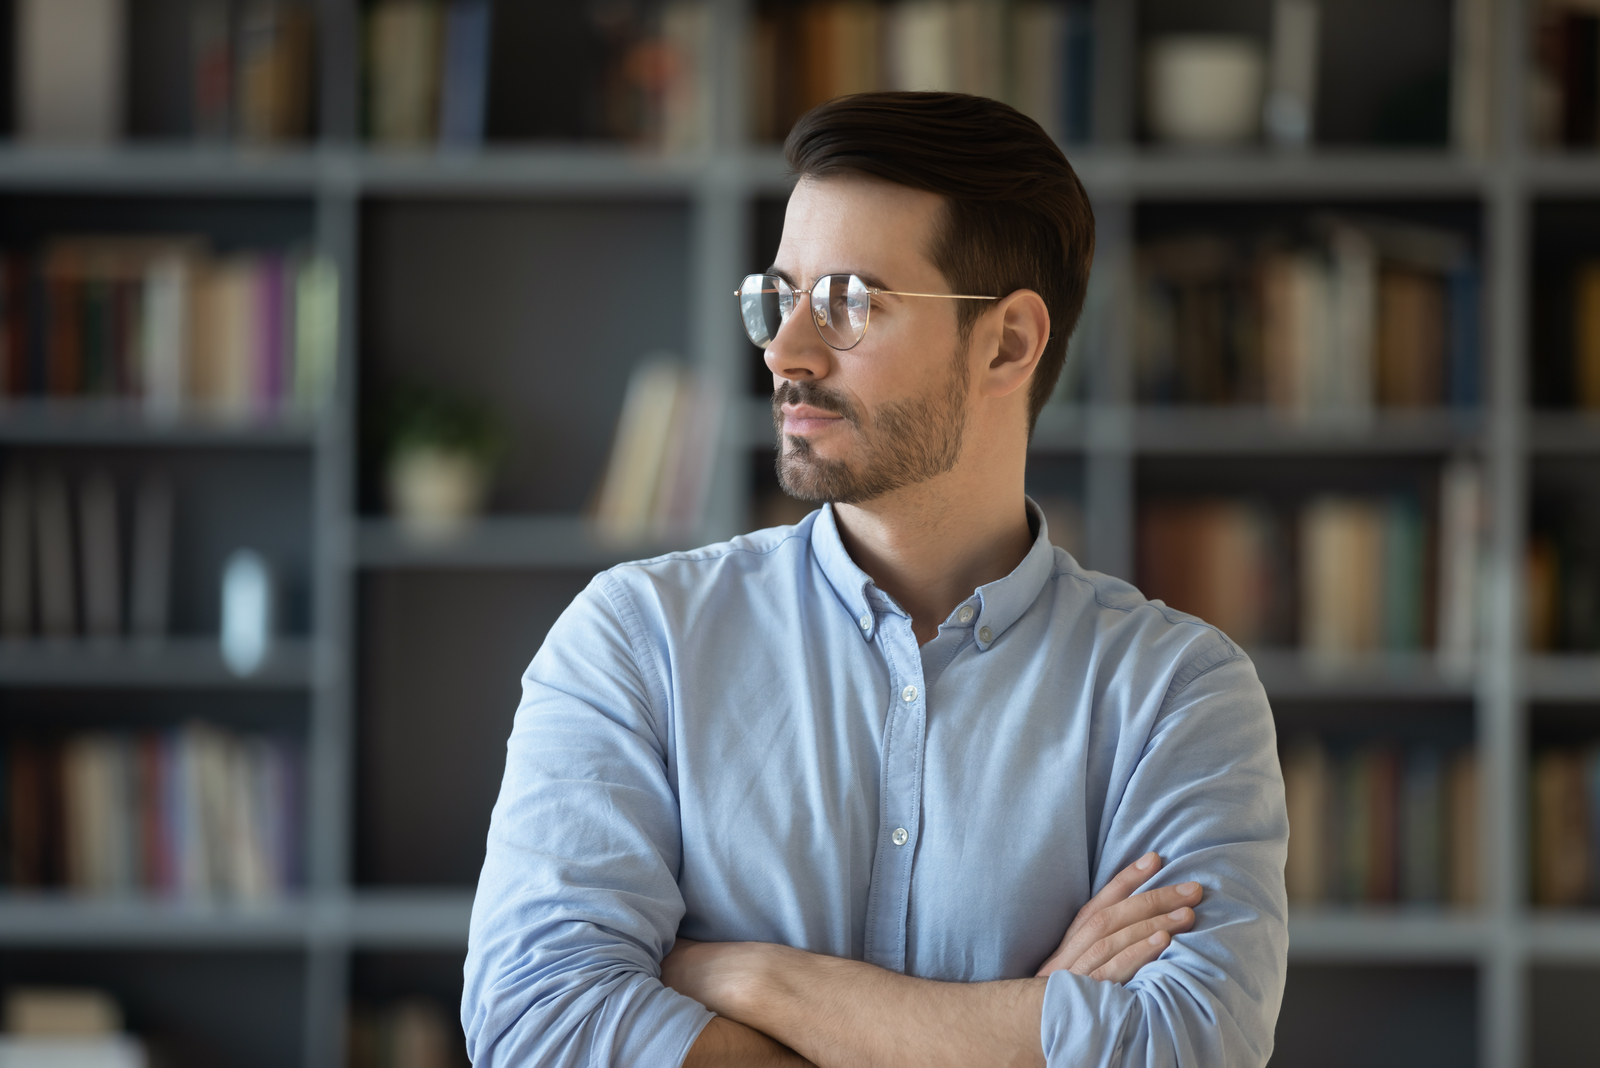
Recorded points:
1566,826
1037,55
427,68
162,319
1365,313
1337,575
1564,91
658,476
192,813
1381,823
1563,587
84,557
250,69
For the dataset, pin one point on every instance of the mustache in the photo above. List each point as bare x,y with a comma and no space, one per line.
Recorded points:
809,393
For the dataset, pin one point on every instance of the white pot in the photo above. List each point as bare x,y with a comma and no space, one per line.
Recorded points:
1204,89
436,492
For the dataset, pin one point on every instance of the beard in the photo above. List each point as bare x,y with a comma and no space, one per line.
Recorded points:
899,444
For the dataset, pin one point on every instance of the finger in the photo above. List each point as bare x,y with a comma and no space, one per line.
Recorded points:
1151,903
1122,884
1126,965
1107,949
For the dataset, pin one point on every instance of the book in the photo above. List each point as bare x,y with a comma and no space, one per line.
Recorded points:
1208,558
658,473
17,554
60,1012
1410,367
211,69
1306,788
686,103
918,51
977,38
273,71
1291,104
56,555
1561,830
1422,827
1461,531
101,561
1586,336
1472,85
402,67
1341,554
1038,64
464,81
70,62
1462,844
150,570
316,332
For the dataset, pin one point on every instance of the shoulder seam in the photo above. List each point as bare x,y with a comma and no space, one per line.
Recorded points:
687,555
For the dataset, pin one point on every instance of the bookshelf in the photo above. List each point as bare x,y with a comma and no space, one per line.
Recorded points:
377,606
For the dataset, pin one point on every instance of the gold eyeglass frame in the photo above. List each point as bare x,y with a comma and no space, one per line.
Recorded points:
812,296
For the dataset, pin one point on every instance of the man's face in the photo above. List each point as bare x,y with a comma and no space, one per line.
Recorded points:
890,412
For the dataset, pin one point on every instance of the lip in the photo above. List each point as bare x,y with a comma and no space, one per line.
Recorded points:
804,419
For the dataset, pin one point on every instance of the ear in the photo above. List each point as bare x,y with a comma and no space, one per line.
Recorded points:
1023,323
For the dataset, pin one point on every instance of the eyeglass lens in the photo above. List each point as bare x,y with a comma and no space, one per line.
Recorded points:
840,306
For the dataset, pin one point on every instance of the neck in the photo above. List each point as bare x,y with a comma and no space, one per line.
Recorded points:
929,546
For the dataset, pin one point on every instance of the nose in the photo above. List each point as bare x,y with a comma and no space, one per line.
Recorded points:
798,351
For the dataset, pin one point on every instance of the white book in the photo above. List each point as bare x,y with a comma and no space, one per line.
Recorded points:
686,27
16,554
109,1051
1353,322
70,60
1472,96
918,52
151,580
1038,50
166,326
58,588
1291,105
1461,511
638,452
102,556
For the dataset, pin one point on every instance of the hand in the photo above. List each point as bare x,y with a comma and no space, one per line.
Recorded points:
1115,935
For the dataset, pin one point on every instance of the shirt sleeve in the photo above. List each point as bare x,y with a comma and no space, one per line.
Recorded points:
578,900
1207,794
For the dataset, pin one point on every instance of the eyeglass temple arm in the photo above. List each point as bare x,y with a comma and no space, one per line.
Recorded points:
946,296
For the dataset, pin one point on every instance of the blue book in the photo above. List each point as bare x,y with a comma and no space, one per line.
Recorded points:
1078,82
1463,368
465,81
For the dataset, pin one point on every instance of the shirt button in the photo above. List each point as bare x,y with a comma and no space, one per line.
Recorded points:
899,836
965,615
866,622
908,694
985,635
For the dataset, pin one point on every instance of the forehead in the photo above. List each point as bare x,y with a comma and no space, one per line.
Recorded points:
858,224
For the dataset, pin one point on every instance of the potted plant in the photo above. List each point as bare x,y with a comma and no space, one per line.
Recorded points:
442,449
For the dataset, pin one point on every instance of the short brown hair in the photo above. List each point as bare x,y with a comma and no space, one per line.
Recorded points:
1016,218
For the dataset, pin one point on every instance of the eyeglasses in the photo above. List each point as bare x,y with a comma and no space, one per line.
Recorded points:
840,307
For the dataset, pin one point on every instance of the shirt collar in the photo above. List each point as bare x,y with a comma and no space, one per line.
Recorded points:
1000,603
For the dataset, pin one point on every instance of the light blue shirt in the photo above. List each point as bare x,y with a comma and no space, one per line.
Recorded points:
745,742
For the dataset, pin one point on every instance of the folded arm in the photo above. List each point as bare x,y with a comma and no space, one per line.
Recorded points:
837,1013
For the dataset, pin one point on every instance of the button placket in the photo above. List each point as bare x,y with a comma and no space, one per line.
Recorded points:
904,744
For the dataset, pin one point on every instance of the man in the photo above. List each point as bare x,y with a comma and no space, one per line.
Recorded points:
878,788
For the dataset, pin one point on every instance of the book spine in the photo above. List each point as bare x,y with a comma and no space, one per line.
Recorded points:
466,74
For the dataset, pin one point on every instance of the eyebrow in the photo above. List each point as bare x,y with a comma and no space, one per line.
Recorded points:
872,281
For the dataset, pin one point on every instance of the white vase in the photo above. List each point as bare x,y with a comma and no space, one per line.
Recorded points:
1204,89
436,492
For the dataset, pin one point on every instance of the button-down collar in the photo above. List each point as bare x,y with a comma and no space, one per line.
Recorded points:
997,604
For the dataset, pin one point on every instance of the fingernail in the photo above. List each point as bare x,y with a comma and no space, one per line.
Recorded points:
1178,914
1188,888
1157,938
1145,861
